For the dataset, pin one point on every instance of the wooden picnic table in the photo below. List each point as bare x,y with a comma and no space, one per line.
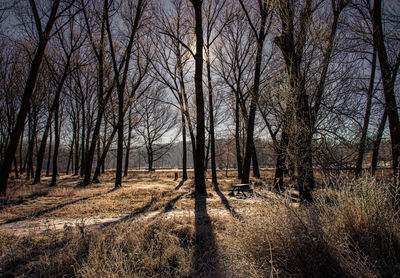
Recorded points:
241,188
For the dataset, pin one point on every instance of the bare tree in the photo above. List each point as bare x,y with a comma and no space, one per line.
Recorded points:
44,34
389,74
264,23
121,69
155,123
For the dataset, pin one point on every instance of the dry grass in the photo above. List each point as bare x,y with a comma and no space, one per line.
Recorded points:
352,230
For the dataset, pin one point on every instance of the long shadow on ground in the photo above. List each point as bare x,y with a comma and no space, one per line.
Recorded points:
168,206
22,200
180,184
205,260
51,209
225,202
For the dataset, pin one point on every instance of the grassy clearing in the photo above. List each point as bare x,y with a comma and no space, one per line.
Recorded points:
352,230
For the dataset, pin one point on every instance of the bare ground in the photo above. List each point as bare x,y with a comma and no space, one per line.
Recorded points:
35,209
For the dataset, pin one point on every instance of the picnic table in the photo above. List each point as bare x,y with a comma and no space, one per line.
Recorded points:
241,188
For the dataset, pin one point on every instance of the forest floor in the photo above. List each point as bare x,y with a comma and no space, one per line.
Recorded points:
31,209
154,226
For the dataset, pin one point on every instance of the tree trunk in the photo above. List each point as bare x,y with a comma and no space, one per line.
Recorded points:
49,154
42,149
256,168
280,167
128,145
83,156
16,167
211,115
118,177
253,107
184,148
70,162
30,146
150,158
237,140
388,78
104,146
21,167
76,131
56,145
375,150
361,149
199,177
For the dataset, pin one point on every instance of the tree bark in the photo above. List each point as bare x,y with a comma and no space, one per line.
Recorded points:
256,168
199,177
184,148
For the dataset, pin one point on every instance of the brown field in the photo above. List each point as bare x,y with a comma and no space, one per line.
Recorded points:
155,227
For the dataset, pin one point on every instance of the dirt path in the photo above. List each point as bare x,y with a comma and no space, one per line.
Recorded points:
28,227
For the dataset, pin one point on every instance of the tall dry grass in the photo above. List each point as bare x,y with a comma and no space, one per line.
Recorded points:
352,230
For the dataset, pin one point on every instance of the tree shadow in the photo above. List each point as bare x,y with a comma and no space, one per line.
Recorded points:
225,202
51,209
22,200
145,208
132,215
182,182
205,260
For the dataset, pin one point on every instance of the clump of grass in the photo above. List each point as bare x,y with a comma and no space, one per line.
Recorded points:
162,248
352,230
362,213
7,242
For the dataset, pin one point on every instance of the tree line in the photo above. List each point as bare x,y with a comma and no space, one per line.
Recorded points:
310,76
